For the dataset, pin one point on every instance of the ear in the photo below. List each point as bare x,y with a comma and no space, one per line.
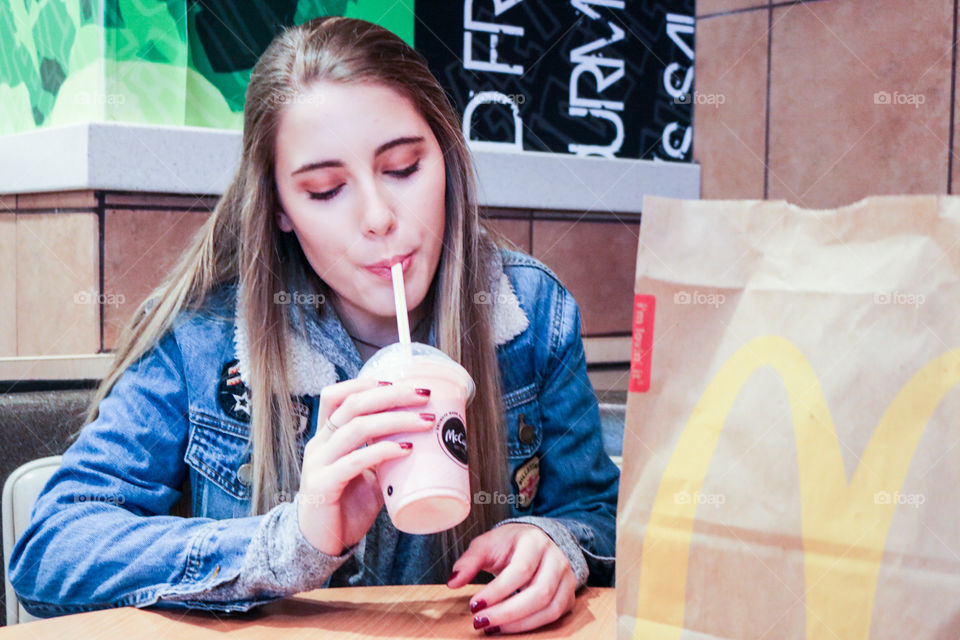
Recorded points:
283,221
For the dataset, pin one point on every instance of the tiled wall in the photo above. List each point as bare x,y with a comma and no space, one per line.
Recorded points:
79,263
824,102
62,300
594,255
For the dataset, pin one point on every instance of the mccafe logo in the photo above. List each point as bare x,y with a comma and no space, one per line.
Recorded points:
844,527
453,437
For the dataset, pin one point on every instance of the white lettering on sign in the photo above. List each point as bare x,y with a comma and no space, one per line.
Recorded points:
493,97
494,29
606,71
584,6
678,26
677,92
685,142
493,65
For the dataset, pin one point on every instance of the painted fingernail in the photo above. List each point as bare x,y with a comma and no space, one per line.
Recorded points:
384,383
406,445
452,576
429,417
478,604
423,392
480,622
492,631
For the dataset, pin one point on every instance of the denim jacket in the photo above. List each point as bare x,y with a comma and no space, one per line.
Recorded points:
100,533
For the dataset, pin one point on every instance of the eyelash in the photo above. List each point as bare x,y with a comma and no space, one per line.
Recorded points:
399,173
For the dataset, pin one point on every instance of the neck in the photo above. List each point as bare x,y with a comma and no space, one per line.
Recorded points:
373,334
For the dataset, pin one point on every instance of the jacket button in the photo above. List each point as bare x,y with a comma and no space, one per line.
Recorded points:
525,432
245,473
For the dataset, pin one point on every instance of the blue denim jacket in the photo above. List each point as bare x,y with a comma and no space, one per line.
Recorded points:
100,535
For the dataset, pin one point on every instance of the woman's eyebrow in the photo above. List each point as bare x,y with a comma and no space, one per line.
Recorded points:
386,146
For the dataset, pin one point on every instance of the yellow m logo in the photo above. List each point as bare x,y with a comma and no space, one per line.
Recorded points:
837,518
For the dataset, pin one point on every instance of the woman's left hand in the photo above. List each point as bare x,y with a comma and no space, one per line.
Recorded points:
534,582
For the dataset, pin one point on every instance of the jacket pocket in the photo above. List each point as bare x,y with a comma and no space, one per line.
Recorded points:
524,421
220,452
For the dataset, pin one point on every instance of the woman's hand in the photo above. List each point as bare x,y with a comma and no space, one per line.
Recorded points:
339,495
524,559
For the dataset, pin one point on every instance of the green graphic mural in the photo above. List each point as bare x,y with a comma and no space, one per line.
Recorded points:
169,62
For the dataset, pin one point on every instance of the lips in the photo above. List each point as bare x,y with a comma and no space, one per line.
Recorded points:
382,269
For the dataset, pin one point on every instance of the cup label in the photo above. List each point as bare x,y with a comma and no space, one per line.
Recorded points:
453,436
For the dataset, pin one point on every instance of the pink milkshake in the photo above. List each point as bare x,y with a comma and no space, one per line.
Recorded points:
429,490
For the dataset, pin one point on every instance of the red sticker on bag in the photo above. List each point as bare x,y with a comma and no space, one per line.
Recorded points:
641,349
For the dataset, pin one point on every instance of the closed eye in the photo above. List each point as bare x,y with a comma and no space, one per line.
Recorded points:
406,173
325,195
399,173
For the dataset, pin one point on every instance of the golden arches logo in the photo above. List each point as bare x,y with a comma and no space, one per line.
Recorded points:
837,517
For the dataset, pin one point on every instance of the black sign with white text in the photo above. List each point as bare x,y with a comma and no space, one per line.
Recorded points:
610,78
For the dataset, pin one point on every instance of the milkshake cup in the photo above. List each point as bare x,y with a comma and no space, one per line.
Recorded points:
428,490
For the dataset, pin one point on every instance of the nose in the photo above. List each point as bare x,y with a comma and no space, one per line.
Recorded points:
379,217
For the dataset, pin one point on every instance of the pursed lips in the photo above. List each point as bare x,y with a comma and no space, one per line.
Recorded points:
382,268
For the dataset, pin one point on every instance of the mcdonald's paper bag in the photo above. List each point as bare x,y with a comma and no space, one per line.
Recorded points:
792,446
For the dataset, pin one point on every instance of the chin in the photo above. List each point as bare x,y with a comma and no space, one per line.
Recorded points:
379,301
387,309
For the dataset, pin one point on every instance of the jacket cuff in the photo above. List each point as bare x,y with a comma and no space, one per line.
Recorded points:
563,538
280,553
278,562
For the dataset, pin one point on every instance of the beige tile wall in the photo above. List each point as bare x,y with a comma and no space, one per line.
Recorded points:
954,151
53,243
828,136
55,201
58,273
831,142
515,229
729,125
593,254
140,247
8,282
596,261
707,7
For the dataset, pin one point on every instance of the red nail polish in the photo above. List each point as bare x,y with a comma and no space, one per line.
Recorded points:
478,604
423,392
480,622
384,383
429,417
406,445
492,631
452,576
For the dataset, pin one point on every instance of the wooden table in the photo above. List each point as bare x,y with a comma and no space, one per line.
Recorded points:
420,611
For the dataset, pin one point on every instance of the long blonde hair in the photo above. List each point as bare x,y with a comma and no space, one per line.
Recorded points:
242,243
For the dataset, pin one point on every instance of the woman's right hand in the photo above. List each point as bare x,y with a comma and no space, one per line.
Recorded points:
339,495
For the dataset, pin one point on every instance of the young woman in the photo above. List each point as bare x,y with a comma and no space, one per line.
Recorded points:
234,390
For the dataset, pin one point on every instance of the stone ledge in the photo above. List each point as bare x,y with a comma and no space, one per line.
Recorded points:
196,160
72,367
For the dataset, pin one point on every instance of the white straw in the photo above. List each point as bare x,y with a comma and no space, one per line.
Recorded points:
400,301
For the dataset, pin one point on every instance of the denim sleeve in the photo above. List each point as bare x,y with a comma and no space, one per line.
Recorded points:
576,504
100,535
